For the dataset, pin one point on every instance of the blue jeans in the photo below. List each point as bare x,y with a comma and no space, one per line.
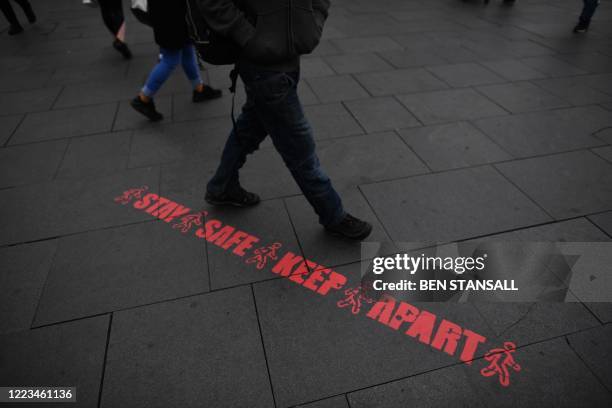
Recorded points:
273,108
588,10
168,62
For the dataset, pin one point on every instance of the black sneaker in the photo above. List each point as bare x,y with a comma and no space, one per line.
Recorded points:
237,198
351,228
122,48
206,94
581,27
15,29
30,14
147,109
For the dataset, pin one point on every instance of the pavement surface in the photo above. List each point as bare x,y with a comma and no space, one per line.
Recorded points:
437,120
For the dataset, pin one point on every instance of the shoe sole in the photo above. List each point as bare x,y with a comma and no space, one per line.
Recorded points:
145,114
230,203
359,237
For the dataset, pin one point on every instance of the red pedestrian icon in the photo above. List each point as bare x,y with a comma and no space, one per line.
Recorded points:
354,298
129,195
263,254
499,360
189,221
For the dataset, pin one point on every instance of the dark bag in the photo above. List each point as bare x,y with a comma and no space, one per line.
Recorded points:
211,47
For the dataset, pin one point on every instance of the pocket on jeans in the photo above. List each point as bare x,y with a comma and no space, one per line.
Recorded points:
273,88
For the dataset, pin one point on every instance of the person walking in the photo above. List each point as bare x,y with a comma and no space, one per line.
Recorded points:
584,21
114,20
272,35
170,30
14,25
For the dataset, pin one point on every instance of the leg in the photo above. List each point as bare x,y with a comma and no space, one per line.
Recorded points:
161,72
8,12
279,109
27,9
112,15
190,66
588,10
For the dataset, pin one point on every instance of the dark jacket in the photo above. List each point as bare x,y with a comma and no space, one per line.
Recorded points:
272,33
168,21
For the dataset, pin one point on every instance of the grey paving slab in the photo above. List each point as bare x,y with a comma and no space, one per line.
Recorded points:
601,82
365,159
314,67
603,311
93,94
355,63
575,230
605,152
604,134
63,207
451,206
400,81
411,58
592,62
335,402
552,66
208,345
8,124
450,105
33,100
63,123
512,69
555,131
566,184
603,221
329,250
32,163
380,114
445,147
266,173
267,221
24,271
337,88
70,354
572,385
21,81
93,156
365,44
595,349
184,109
113,269
128,118
520,97
573,90
331,120
466,74
294,318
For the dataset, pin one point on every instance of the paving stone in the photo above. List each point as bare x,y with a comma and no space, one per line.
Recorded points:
601,82
538,133
450,105
604,134
552,66
314,67
572,385
70,354
113,269
573,90
367,44
58,124
294,318
184,340
566,185
335,402
269,222
400,81
451,206
605,152
355,63
128,118
32,163
595,349
512,70
64,207
8,124
466,74
93,94
266,173
603,311
337,88
603,221
331,120
380,114
329,250
21,81
93,156
33,100
445,147
306,95
184,109
411,58
24,271
592,62
520,97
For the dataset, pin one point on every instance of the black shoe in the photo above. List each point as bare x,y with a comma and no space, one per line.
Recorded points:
122,48
351,228
15,29
147,109
581,27
30,14
206,94
237,198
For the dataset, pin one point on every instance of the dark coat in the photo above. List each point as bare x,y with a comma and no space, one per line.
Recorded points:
168,21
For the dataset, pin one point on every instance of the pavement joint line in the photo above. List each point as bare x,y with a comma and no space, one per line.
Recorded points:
587,366
588,217
396,131
61,161
104,361
23,116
